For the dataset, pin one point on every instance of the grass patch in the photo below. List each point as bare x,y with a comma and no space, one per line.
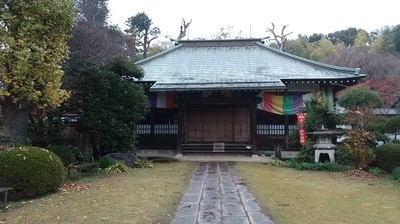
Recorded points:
137,196
293,196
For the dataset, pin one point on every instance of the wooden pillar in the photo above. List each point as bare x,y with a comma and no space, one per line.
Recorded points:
253,127
286,120
286,132
152,125
180,125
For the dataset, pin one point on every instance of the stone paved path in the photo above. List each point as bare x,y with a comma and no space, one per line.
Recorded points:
217,195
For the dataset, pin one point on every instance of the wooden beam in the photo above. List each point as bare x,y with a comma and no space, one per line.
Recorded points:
286,132
253,126
152,125
180,125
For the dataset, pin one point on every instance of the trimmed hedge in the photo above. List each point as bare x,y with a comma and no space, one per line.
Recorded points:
31,171
387,156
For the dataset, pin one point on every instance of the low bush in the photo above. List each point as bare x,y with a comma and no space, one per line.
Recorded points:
118,167
333,167
375,171
344,157
64,152
30,171
105,163
387,156
359,142
306,153
396,174
277,163
144,163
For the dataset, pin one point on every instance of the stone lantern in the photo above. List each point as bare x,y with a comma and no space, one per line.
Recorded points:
324,143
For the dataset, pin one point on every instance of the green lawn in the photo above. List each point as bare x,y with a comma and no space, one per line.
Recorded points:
292,196
152,196
139,196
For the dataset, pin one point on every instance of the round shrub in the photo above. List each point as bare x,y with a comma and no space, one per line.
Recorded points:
396,174
64,152
30,171
387,156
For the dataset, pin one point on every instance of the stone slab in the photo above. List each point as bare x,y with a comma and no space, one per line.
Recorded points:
217,194
235,220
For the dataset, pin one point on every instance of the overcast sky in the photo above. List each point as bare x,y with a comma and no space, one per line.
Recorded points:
253,17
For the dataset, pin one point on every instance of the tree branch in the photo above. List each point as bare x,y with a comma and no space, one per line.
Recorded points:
183,28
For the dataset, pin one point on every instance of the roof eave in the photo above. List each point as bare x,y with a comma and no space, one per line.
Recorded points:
353,79
214,89
201,87
310,62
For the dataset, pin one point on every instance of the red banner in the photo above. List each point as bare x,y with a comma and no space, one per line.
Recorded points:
301,122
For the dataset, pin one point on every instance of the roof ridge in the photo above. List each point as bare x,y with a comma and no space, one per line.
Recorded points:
169,50
221,40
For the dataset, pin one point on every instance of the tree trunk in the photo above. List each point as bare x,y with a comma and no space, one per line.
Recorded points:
8,111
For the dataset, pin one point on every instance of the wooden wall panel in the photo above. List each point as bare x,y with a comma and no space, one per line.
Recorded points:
218,125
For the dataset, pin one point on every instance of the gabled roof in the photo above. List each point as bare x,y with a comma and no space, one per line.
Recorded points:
233,64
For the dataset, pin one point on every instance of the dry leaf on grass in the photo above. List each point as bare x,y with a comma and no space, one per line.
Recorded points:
359,173
74,187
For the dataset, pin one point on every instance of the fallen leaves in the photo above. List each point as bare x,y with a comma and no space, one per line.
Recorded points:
359,173
74,187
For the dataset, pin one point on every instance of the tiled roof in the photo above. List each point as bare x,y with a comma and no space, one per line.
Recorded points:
232,64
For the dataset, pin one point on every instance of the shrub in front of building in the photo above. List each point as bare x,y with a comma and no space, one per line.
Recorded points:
30,171
396,174
387,156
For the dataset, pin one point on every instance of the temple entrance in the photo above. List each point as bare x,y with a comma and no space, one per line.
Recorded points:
216,124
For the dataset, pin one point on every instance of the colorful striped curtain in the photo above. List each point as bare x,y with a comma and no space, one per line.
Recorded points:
282,105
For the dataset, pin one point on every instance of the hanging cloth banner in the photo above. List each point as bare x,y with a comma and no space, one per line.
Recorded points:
301,122
283,105
162,100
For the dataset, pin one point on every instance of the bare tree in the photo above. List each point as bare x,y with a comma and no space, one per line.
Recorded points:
93,40
279,39
227,32
95,44
184,26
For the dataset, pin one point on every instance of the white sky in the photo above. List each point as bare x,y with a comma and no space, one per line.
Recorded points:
254,16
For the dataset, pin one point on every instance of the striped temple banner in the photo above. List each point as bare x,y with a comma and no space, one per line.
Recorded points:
162,100
283,105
